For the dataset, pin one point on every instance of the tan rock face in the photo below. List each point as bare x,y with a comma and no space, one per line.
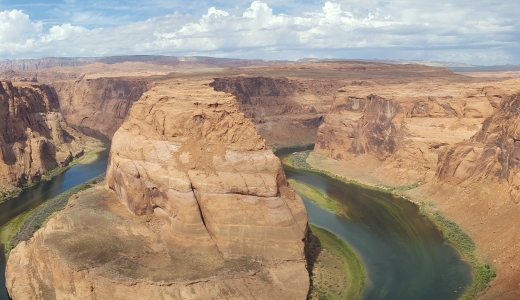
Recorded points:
97,249
284,111
99,103
187,148
34,137
403,126
458,137
477,185
199,209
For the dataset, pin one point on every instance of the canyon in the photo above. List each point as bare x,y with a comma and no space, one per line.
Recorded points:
190,187
190,144
34,136
447,143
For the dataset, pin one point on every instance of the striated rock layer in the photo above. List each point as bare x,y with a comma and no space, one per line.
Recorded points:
100,103
394,131
199,209
34,137
285,111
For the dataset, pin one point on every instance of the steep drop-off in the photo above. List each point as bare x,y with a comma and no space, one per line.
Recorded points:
198,208
394,132
34,137
100,103
284,111
458,138
478,185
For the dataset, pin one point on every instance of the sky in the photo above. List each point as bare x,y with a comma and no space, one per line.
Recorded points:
480,32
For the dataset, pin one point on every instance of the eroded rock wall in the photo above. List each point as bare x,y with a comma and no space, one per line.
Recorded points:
100,103
460,139
285,111
190,148
477,185
34,137
394,132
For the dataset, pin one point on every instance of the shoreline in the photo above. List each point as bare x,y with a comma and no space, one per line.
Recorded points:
482,272
332,258
86,158
26,224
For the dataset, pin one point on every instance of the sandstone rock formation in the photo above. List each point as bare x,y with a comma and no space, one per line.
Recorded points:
394,131
101,103
284,111
34,137
200,209
457,137
477,184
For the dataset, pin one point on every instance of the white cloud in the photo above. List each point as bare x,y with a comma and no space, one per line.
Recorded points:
16,27
440,30
62,32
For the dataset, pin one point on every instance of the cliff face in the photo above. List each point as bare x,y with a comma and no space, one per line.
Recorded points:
100,103
477,185
493,153
395,131
199,209
284,111
34,137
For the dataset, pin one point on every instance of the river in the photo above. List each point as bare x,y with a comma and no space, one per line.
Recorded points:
405,256
32,197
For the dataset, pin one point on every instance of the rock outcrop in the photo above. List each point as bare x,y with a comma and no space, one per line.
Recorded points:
477,184
285,111
198,209
458,138
395,131
34,137
100,103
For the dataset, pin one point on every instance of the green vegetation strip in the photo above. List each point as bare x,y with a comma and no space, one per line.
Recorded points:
315,197
24,226
482,273
298,160
336,272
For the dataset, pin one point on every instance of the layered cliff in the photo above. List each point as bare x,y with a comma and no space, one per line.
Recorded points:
477,184
34,137
460,139
100,103
284,111
394,131
198,209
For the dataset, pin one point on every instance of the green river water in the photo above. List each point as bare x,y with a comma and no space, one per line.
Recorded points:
405,256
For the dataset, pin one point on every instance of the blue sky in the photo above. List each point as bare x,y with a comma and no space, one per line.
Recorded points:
479,32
